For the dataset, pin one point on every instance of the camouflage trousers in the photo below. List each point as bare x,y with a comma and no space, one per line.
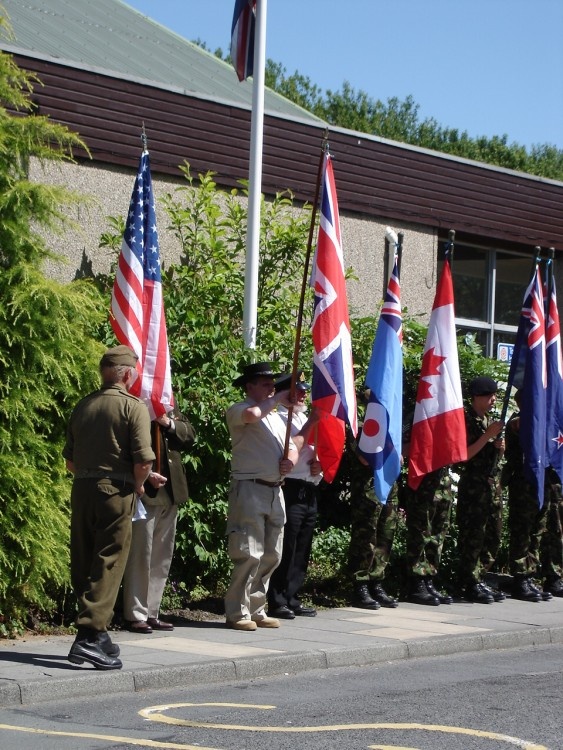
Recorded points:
526,527
428,521
551,549
479,519
373,526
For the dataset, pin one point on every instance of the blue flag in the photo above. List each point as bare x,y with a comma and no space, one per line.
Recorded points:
528,372
554,405
380,441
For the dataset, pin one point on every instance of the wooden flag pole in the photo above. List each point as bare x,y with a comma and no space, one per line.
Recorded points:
304,284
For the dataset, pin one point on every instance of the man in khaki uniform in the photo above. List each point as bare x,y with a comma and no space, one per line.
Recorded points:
108,450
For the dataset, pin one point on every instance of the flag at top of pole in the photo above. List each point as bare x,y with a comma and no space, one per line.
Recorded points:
137,309
332,390
381,433
438,435
242,38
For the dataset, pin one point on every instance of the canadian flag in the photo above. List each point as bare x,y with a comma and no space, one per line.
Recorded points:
438,436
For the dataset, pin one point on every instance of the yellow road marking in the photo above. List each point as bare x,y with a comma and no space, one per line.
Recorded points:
154,713
107,738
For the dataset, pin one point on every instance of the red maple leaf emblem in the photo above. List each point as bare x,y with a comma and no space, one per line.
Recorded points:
430,367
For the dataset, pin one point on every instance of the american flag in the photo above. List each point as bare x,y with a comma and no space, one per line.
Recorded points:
381,434
332,389
242,38
137,309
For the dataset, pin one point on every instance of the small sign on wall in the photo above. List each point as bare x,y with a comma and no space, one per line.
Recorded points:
504,352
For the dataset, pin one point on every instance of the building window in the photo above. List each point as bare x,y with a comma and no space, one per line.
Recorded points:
489,288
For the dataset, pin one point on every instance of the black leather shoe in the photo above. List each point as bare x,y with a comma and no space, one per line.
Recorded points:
91,652
433,591
497,594
545,595
362,597
302,611
479,594
554,586
106,644
282,613
380,595
419,594
522,590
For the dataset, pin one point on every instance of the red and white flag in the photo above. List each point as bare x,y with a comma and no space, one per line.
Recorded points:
332,390
438,435
137,309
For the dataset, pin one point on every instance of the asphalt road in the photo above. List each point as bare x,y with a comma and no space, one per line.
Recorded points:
494,700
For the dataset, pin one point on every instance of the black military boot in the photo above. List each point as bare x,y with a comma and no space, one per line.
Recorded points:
362,597
554,585
88,648
497,594
478,593
545,595
522,590
433,591
107,645
419,594
380,595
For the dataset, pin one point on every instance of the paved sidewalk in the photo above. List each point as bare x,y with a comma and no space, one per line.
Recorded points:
36,669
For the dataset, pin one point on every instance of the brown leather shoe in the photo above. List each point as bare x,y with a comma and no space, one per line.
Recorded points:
157,624
139,626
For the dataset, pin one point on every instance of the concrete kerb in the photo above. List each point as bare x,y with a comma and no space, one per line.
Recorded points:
235,670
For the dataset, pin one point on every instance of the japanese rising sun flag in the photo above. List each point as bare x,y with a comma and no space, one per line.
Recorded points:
137,309
438,435
381,434
332,390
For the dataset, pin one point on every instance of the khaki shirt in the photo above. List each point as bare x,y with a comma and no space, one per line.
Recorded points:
109,431
257,447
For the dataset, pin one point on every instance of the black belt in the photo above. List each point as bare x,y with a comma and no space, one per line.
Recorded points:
267,484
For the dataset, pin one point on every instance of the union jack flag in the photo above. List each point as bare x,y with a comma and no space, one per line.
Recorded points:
381,434
528,372
137,309
242,38
332,390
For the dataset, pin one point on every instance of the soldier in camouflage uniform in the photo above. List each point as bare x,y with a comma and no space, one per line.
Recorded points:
373,526
526,521
551,549
479,502
428,520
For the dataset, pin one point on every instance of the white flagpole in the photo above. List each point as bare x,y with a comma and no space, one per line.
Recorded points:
249,320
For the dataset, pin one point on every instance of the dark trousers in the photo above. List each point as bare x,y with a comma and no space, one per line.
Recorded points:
100,537
301,513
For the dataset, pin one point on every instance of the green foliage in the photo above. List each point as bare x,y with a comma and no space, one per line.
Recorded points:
399,120
45,349
203,297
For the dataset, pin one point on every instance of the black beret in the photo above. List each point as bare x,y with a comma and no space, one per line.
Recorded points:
483,386
119,356
284,383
